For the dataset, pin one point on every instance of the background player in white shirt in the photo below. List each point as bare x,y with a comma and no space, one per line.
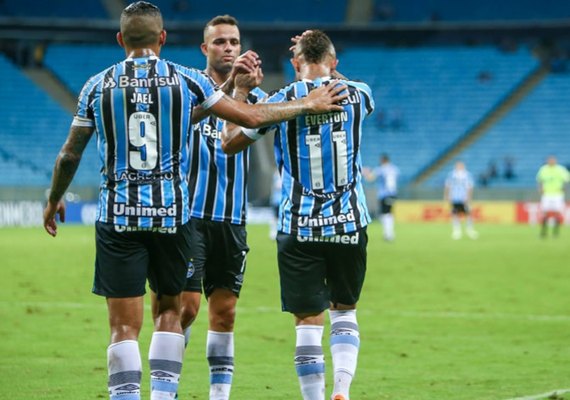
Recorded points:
386,176
459,192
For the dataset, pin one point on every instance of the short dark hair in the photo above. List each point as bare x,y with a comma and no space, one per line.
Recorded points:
141,8
221,19
141,35
315,46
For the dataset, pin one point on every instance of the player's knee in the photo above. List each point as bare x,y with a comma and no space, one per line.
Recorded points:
188,314
223,319
124,331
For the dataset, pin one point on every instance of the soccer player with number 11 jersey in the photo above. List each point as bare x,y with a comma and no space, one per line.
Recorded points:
323,216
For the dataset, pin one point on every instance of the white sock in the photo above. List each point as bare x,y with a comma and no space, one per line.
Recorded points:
125,370
456,223
165,358
469,223
310,361
388,225
187,333
345,342
220,353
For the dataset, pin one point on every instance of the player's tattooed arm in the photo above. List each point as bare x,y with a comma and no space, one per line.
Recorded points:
64,170
68,160
323,99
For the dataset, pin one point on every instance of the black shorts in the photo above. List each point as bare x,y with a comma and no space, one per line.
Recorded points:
218,252
459,208
315,272
126,257
385,204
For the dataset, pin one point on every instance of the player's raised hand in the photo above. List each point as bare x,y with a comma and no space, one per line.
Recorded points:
326,98
245,63
296,39
246,82
51,210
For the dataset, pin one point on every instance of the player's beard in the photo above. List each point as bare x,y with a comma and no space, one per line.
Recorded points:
224,67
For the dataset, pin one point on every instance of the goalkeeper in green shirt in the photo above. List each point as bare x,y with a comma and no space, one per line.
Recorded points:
551,179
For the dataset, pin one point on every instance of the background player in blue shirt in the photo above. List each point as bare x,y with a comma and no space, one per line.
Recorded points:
217,215
141,109
386,177
459,192
322,217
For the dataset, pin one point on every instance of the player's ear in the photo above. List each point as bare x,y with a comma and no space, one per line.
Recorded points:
162,38
204,48
120,39
295,64
334,64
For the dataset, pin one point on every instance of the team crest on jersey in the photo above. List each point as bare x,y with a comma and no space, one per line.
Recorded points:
109,83
191,269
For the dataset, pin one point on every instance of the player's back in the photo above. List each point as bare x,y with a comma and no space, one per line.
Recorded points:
459,183
319,159
141,109
387,176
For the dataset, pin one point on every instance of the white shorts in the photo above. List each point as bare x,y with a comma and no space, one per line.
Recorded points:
552,203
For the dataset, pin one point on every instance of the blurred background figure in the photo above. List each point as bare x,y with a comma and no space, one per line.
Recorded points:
386,176
459,192
551,179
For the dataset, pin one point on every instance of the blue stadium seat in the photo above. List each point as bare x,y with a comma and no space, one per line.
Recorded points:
468,10
536,128
255,11
33,130
54,9
74,64
427,98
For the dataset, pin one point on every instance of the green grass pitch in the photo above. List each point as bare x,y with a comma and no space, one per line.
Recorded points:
439,319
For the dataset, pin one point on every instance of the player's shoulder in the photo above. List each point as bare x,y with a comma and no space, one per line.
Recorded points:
94,81
290,91
360,85
190,72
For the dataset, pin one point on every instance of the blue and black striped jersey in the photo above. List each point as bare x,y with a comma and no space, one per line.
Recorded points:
218,180
459,183
141,110
319,160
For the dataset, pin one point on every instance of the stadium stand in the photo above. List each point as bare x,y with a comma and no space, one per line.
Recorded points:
426,98
534,129
33,131
54,9
468,10
82,61
325,11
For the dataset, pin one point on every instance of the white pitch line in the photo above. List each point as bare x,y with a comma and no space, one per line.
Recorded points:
543,395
